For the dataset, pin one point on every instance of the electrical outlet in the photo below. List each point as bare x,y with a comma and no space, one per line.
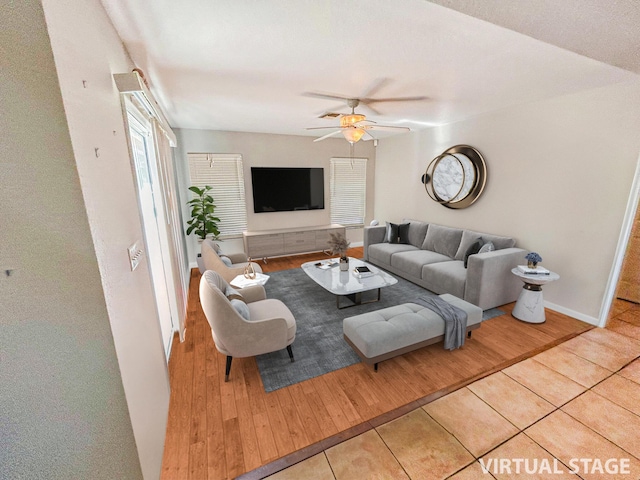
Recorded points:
135,255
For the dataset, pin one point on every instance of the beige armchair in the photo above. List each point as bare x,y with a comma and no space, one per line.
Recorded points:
211,260
245,327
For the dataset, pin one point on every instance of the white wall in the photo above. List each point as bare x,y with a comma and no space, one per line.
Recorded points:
559,176
87,51
265,150
64,413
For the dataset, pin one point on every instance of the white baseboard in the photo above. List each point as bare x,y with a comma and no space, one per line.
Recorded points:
572,313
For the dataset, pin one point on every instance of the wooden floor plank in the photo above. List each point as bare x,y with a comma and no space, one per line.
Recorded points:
248,438
297,430
219,430
284,442
234,455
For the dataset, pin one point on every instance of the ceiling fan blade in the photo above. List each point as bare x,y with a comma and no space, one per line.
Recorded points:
367,101
371,109
387,128
327,135
329,96
376,85
320,128
367,136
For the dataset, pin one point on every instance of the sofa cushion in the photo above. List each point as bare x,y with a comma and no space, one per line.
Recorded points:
441,239
445,277
382,252
499,242
411,262
469,236
417,232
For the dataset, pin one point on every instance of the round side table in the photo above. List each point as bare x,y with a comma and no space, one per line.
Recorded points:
530,304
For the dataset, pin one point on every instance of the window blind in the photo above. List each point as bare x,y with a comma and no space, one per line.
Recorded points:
225,174
348,185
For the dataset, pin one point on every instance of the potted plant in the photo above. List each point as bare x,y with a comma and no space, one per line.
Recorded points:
532,259
338,245
203,221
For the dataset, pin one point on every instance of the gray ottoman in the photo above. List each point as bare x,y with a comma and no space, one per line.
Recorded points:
385,333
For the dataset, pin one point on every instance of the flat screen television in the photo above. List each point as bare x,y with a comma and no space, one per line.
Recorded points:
278,189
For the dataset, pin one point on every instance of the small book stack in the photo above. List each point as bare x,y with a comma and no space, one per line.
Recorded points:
362,272
533,271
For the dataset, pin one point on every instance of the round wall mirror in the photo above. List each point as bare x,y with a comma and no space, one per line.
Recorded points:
457,177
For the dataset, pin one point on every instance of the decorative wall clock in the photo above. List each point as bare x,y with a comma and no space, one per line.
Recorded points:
456,177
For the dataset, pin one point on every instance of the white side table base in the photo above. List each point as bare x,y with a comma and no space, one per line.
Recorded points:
530,306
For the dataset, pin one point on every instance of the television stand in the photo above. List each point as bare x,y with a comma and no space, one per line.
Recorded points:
289,241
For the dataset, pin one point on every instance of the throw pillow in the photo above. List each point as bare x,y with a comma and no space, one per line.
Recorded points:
403,233
391,235
487,247
232,294
241,308
226,260
472,250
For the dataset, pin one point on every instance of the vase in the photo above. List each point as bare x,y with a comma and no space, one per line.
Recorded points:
344,264
532,265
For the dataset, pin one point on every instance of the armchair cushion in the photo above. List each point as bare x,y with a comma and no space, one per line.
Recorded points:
241,307
226,260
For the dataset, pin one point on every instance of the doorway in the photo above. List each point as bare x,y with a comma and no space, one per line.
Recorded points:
627,294
629,284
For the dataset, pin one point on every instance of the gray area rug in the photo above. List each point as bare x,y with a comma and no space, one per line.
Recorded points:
319,346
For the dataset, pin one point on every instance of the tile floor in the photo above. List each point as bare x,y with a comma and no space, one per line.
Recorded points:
572,409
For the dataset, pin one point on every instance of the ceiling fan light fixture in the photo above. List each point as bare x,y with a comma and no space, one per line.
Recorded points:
349,120
353,135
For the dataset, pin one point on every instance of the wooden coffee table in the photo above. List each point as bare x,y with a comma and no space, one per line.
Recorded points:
328,275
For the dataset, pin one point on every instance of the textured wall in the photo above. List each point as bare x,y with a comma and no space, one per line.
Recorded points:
559,177
87,52
63,412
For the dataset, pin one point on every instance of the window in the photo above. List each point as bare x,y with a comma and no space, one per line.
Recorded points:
224,173
348,191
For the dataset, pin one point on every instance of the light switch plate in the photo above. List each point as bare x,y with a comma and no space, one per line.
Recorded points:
135,255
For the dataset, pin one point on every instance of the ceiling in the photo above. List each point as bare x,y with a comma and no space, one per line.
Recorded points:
243,65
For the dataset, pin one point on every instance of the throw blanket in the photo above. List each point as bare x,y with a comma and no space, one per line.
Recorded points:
455,320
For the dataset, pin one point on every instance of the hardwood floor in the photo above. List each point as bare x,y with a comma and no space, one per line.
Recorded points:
219,430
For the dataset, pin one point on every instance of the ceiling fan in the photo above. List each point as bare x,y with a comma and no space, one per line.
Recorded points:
355,126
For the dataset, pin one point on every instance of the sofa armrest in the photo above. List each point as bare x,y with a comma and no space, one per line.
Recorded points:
372,235
490,282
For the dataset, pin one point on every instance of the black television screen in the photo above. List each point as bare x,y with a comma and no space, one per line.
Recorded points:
277,189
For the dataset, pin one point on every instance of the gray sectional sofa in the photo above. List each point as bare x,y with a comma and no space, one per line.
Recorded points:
433,256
